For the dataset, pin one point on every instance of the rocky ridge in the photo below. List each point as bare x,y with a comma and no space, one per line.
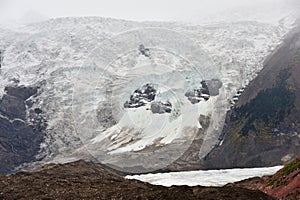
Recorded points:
87,180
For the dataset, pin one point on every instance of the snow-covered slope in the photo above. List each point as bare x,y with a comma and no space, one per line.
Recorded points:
88,68
205,178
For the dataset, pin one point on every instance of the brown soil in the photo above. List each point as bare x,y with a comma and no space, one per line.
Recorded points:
82,180
284,184
287,191
255,183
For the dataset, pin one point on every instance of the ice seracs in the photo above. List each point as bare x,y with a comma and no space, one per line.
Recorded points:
91,73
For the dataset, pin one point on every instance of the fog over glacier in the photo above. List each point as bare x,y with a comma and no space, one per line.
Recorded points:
157,10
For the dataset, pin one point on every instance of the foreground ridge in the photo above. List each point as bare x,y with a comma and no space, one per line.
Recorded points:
87,180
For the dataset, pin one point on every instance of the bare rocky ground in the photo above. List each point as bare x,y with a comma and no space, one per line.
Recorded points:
87,180
284,184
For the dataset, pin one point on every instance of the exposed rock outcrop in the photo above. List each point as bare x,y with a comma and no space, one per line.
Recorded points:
144,51
284,184
160,107
21,133
263,128
141,96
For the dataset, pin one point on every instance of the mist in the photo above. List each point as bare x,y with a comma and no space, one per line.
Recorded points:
141,10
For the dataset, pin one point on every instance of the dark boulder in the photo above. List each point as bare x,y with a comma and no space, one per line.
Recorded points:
213,86
144,51
199,94
160,107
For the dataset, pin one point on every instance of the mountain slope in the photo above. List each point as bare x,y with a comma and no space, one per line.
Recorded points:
86,180
135,95
285,184
263,128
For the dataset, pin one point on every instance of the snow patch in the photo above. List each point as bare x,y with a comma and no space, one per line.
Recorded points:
205,178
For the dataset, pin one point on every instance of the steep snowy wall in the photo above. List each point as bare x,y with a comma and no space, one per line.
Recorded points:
88,68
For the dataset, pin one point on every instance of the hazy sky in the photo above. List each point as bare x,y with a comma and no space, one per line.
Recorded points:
125,9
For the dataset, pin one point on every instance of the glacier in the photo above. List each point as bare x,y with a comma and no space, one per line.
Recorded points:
205,177
87,67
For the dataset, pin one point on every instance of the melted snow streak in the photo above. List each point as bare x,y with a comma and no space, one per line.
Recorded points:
87,68
205,178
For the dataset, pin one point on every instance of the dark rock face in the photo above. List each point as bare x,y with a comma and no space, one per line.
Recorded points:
141,96
263,127
144,51
12,107
21,92
213,86
235,98
12,103
208,88
19,140
82,180
146,95
160,107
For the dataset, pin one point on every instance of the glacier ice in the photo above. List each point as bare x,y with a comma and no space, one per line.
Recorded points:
205,177
87,68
